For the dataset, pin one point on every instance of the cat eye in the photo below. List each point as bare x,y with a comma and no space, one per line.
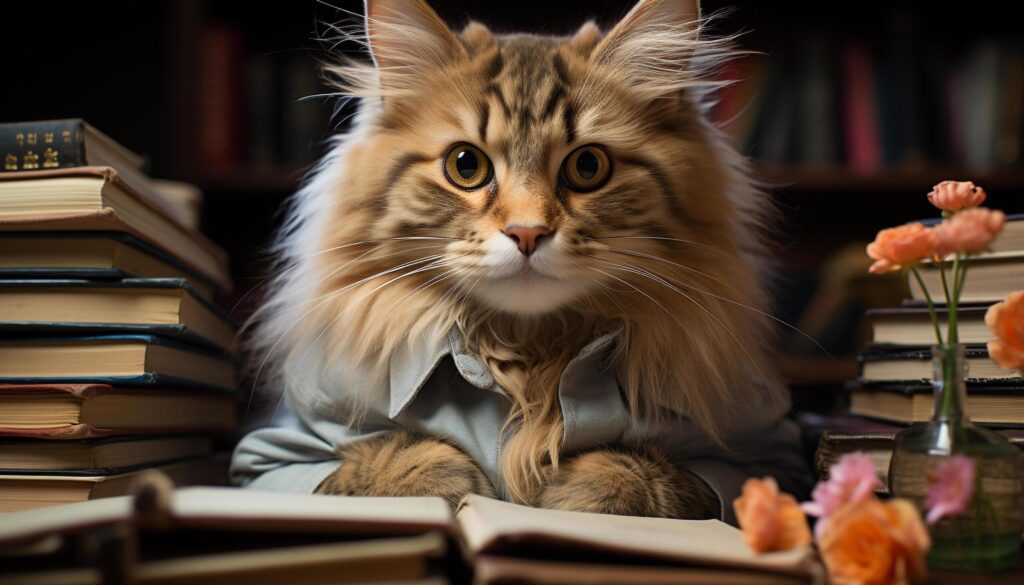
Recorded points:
587,168
467,167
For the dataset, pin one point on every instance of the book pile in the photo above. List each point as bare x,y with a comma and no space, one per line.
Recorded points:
247,536
113,356
895,388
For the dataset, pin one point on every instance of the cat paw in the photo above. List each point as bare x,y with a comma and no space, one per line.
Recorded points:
628,483
402,464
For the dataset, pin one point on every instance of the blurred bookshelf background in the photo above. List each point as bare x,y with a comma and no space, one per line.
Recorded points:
851,111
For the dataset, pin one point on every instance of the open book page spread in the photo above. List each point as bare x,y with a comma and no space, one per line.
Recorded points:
486,523
242,508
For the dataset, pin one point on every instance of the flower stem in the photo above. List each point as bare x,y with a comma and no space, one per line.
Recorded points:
951,302
931,305
950,299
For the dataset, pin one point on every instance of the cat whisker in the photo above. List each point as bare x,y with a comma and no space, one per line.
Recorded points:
660,280
663,238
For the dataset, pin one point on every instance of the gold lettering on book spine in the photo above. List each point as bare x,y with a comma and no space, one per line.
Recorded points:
20,138
10,162
30,161
48,137
32,137
66,136
51,158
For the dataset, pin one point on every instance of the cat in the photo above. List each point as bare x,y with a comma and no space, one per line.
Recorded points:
524,195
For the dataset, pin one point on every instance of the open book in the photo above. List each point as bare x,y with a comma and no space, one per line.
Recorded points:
504,538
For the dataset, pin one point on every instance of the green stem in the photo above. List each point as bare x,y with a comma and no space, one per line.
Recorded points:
931,305
954,331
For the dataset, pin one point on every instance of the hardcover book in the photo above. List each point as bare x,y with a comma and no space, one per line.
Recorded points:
84,411
885,364
98,199
107,256
155,306
125,360
993,405
97,456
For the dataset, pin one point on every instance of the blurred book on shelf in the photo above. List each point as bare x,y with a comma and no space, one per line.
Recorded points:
266,112
887,105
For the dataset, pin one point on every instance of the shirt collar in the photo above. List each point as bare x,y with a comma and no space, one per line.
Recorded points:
413,363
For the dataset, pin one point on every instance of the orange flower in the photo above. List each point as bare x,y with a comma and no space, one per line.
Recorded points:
1006,320
970,231
875,543
770,520
956,195
901,246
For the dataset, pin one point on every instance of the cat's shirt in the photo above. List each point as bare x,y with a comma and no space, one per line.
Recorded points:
440,389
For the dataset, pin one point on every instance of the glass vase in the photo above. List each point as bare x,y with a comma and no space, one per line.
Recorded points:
987,537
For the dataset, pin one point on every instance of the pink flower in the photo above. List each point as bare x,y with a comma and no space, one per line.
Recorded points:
901,246
956,195
852,479
950,488
1006,320
969,232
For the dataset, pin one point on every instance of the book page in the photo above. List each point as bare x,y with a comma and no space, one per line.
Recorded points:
488,524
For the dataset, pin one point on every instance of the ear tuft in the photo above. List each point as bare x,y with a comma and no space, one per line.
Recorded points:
406,37
586,38
478,37
654,45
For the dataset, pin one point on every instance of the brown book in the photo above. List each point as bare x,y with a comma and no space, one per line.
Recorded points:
498,570
908,364
79,411
168,307
97,199
876,440
98,456
913,403
28,492
129,360
913,325
990,278
97,256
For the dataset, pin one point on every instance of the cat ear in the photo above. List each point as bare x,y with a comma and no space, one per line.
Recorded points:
653,45
406,36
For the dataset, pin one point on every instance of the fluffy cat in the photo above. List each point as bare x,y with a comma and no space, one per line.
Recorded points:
529,193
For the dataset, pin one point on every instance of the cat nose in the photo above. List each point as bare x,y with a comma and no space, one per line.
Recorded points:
526,238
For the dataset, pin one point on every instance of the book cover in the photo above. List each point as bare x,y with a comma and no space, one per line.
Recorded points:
91,256
24,361
135,214
76,310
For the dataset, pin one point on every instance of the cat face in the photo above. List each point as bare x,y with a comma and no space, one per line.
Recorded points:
541,162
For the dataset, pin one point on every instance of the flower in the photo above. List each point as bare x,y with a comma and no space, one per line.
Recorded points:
851,480
770,520
970,231
950,487
875,543
956,195
897,247
1006,320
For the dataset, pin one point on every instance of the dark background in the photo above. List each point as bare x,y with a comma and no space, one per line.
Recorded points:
141,72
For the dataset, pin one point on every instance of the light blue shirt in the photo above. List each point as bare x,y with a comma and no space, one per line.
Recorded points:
441,390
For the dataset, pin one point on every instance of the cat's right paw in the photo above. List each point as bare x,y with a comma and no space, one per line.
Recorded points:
402,464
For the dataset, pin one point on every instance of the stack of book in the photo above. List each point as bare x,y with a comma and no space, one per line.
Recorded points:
263,537
113,356
895,385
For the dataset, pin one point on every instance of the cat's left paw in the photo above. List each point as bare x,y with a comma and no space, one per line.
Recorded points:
629,483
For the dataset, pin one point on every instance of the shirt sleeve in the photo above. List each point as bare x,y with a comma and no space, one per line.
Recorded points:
773,451
292,456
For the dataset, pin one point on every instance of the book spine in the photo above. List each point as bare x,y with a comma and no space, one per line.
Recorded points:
52,144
